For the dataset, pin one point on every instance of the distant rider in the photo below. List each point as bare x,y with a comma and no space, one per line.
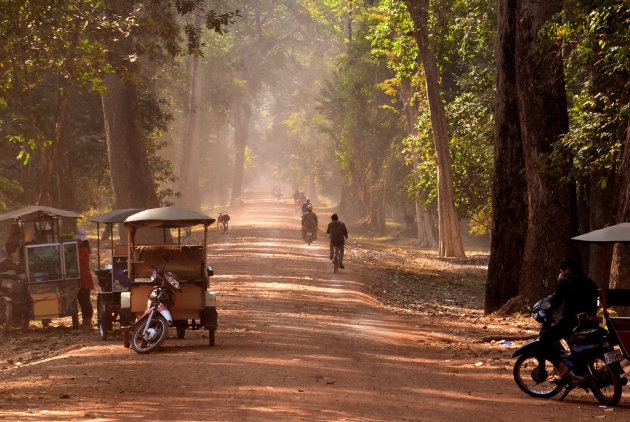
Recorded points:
338,235
309,222
306,204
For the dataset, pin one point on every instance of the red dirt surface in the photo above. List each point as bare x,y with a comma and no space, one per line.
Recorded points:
397,335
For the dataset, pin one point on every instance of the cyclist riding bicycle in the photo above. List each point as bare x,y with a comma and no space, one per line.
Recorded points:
338,235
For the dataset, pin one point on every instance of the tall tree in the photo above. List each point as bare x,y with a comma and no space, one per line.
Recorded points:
189,169
509,187
543,120
450,239
48,50
532,89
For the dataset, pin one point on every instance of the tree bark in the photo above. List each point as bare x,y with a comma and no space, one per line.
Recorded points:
509,192
426,238
189,171
48,155
450,239
132,180
242,115
543,119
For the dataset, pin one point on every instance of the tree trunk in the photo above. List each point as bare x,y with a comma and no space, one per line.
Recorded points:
509,187
426,238
620,267
132,180
450,239
189,172
242,115
48,155
543,119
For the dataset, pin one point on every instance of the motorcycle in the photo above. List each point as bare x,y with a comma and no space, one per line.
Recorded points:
150,329
589,353
14,302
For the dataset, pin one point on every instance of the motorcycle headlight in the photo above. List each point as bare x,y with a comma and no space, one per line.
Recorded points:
172,280
153,296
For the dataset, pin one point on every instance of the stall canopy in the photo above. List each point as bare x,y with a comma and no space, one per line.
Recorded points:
36,212
167,217
619,233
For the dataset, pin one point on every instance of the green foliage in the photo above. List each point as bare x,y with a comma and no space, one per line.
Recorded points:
597,39
362,120
464,42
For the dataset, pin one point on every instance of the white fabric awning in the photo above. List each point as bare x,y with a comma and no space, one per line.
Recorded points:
619,233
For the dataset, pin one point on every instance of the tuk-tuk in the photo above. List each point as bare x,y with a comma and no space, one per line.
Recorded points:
194,306
112,276
45,281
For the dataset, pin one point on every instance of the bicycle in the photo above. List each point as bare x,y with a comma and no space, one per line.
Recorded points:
335,259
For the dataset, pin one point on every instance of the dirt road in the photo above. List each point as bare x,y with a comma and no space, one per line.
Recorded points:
295,342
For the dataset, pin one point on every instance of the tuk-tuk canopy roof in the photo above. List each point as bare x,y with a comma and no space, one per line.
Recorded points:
115,216
36,212
619,233
166,217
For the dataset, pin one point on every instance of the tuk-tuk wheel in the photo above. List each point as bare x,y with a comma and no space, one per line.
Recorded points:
211,337
126,338
181,332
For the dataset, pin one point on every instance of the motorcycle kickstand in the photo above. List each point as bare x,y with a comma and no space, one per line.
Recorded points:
568,387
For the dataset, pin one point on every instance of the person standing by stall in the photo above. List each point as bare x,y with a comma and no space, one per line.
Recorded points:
87,282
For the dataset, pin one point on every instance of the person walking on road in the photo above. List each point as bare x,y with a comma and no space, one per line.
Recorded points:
338,235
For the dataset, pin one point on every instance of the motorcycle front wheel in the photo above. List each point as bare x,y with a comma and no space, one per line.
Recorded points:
155,335
6,314
534,377
605,383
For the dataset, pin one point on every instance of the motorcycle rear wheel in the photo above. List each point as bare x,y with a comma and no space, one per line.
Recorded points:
142,346
606,384
6,314
534,379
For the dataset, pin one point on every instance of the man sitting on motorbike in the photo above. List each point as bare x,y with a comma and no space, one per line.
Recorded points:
306,204
309,222
575,294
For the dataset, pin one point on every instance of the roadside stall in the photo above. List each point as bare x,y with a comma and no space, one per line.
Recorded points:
45,279
194,305
112,274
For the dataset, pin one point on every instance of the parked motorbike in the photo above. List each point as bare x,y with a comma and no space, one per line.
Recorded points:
590,355
14,302
150,329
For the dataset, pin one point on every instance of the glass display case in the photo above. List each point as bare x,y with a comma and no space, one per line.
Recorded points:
50,261
43,262
71,259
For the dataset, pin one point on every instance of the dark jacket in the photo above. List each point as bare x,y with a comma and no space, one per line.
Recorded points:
575,294
338,233
309,220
